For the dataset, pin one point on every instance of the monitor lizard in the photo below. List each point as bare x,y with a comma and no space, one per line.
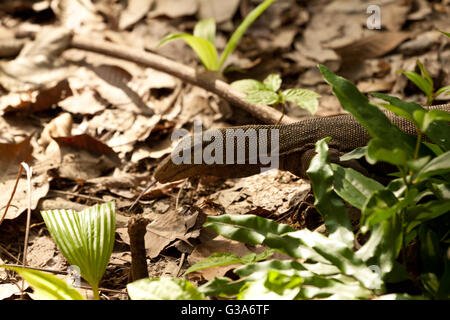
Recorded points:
296,147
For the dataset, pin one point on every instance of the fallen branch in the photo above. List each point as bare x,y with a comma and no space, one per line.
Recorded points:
262,112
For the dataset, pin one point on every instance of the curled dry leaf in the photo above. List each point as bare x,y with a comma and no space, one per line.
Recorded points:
61,126
83,157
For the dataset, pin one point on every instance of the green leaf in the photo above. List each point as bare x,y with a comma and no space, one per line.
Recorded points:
420,82
340,287
262,97
352,186
445,33
47,286
425,75
384,245
272,82
224,259
247,85
355,154
222,287
423,212
272,285
426,118
237,35
370,117
303,244
204,49
248,228
327,202
381,150
437,166
163,288
437,131
306,99
206,29
85,238
442,90
252,268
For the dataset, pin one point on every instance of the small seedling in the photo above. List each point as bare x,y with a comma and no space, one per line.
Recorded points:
85,238
268,92
424,82
203,38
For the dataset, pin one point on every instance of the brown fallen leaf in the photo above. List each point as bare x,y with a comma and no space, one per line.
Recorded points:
38,66
373,46
12,154
82,157
35,100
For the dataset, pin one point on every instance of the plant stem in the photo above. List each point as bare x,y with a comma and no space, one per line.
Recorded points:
96,293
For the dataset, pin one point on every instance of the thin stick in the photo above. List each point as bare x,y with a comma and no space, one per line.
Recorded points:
180,265
29,171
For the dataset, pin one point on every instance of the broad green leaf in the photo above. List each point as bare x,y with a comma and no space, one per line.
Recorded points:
47,286
423,212
206,29
437,131
304,98
420,82
248,228
382,205
273,285
163,288
252,229
247,85
237,35
340,255
428,117
352,186
85,238
214,260
437,166
262,97
222,287
338,288
298,244
204,48
383,246
251,268
224,259
381,150
327,202
272,82
370,117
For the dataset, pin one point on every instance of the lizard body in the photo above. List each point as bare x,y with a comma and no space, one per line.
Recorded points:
296,147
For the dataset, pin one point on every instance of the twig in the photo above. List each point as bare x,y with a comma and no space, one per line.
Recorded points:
183,72
180,265
136,231
29,171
